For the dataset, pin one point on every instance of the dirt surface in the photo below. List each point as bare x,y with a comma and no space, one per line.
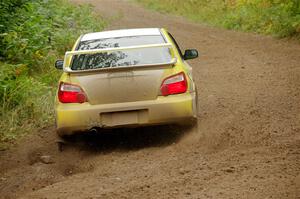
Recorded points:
247,144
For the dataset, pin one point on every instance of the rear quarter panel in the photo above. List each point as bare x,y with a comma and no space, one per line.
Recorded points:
181,65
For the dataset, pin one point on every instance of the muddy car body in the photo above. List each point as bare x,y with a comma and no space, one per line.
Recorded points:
125,78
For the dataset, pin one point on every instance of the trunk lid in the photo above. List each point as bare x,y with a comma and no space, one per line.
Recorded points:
117,86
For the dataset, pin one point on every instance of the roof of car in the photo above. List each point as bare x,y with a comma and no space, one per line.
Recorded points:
121,33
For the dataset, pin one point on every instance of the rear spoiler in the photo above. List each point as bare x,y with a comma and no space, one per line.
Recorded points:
68,55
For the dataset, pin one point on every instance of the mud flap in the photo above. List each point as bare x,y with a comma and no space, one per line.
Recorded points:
61,143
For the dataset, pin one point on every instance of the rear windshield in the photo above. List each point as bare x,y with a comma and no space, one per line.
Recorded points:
121,58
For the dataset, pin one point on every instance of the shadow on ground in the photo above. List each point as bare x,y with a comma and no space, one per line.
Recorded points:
124,139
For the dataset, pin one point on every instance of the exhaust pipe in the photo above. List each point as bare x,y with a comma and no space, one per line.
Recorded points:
93,130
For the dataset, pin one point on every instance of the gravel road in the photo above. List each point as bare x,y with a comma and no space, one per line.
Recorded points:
247,143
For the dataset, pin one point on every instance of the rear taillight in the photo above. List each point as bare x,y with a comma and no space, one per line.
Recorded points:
70,93
174,84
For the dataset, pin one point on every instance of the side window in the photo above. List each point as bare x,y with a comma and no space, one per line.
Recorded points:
176,45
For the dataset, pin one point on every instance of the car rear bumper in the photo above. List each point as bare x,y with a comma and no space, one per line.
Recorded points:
72,118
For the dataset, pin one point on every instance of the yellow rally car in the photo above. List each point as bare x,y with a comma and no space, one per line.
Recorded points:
124,78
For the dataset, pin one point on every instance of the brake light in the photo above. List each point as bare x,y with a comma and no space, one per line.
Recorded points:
174,84
70,93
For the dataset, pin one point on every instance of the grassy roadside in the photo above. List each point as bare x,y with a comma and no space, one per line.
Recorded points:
279,18
33,34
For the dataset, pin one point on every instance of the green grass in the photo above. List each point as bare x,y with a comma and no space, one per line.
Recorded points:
32,36
280,18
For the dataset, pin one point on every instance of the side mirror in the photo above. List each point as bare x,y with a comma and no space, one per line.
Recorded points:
59,64
190,54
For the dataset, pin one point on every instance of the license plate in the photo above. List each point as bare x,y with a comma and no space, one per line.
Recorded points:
119,118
